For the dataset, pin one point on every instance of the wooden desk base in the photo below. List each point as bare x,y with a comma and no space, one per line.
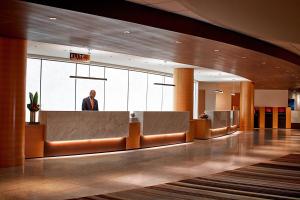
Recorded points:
133,139
160,140
34,140
202,129
84,146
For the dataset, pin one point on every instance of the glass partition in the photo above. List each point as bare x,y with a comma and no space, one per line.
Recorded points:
168,92
154,93
33,75
137,91
116,89
84,86
123,90
58,89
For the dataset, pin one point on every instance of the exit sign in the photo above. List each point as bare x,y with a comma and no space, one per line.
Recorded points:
80,57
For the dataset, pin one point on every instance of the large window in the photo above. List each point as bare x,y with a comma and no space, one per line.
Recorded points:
84,86
168,91
154,94
137,91
116,89
58,89
32,80
124,89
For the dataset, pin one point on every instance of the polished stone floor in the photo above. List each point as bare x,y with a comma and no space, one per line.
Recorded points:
77,176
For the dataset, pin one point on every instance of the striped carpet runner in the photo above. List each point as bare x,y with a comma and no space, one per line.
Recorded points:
277,179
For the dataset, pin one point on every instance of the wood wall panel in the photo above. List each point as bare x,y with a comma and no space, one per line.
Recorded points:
12,101
275,117
201,101
235,101
133,139
34,140
246,106
288,117
184,90
262,117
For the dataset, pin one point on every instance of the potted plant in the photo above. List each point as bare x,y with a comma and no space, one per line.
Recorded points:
203,116
33,106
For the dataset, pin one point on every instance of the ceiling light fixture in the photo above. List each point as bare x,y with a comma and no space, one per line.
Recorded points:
164,84
244,57
52,18
218,91
126,32
216,50
178,42
90,78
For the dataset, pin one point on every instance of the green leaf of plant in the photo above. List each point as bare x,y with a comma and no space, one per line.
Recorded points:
31,97
35,98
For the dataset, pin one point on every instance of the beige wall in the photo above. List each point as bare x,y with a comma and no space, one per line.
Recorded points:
271,98
215,101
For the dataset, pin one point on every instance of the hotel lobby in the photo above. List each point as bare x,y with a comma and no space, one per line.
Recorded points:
149,99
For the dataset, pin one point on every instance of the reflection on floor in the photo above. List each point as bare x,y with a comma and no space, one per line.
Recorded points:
78,176
276,179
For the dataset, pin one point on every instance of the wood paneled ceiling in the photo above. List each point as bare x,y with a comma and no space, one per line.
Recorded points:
154,34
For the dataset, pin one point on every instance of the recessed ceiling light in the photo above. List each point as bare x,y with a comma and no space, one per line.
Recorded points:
244,57
216,50
126,32
178,42
52,18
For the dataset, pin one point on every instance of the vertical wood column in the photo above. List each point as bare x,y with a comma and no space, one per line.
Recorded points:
262,117
12,101
288,116
275,117
246,106
184,90
201,101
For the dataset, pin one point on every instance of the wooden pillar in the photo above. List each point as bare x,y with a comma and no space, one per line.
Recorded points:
275,117
262,117
12,101
201,101
184,90
246,106
288,116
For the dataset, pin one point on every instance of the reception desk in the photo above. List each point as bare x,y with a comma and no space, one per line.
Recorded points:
72,132
219,123
81,132
162,128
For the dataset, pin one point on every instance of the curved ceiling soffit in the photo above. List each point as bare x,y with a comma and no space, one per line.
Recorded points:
271,19
148,16
198,34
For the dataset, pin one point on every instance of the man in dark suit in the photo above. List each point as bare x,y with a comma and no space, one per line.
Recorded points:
90,103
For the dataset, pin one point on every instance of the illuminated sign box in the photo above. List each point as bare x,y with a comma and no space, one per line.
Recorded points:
80,57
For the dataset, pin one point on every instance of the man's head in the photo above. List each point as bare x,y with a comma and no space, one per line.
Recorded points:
92,94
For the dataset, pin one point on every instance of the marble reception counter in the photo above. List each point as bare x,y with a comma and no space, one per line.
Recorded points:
223,122
83,125
158,123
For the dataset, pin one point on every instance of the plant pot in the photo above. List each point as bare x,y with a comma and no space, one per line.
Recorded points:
32,117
